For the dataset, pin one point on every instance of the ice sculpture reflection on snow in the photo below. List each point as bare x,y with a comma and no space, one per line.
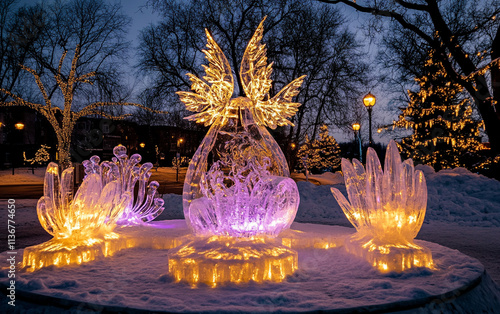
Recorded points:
82,225
387,209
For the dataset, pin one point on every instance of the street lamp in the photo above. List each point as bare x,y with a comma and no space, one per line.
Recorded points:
369,102
142,145
357,140
19,126
178,156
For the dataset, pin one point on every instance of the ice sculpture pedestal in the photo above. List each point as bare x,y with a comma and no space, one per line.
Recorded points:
218,259
389,257
63,252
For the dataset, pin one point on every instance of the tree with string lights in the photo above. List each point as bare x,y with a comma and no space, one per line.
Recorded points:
322,154
445,133
63,119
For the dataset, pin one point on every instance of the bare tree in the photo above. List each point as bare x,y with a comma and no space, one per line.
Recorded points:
20,29
465,35
302,37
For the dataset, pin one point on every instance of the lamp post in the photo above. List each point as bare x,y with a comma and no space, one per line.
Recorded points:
369,102
18,126
178,156
357,140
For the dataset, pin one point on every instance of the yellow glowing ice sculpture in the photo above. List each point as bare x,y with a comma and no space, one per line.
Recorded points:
81,225
387,209
247,193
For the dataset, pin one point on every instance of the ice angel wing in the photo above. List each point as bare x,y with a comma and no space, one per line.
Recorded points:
210,95
276,111
255,74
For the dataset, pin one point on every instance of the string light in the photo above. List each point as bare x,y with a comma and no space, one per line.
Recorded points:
445,134
322,153
41,156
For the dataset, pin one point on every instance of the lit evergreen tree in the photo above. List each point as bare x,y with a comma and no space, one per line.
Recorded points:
445,134
321,154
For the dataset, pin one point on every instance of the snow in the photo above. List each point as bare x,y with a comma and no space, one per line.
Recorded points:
463,214
22,176
456,195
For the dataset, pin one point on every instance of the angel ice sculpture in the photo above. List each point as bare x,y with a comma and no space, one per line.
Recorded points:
247,190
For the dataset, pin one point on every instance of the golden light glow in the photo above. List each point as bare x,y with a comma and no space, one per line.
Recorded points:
64,252
369,100
387,208
142,145
356,126
389,257
217,260
64,120
212,95
19,126
293,145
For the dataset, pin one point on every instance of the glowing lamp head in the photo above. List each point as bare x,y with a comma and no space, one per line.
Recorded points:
356,126
142,145
369,100
19,126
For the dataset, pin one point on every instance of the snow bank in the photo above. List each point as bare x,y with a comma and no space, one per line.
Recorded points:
454,195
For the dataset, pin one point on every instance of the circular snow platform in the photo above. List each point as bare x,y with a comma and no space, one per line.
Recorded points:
328,279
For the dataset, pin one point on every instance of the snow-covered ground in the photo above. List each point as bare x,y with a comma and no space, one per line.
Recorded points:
463,213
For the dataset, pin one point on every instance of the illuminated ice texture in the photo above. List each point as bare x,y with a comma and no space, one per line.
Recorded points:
247,190
82,226
387,208
246,193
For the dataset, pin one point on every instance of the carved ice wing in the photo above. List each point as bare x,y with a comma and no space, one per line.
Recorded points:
276,111
213,92
255,74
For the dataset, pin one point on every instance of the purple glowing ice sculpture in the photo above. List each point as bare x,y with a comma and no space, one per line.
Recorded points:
145,206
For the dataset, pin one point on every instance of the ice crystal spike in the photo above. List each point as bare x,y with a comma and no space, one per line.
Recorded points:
387,207
243,203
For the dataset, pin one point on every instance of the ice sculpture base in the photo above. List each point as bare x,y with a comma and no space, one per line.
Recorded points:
389,257
65,252
217,260
137,281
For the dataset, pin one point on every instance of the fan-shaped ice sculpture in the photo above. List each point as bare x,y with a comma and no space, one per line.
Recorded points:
246,192
82,225
387,208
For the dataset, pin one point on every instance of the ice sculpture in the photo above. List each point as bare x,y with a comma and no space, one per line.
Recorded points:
238,194
82,226
145,206
246,192
387,208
